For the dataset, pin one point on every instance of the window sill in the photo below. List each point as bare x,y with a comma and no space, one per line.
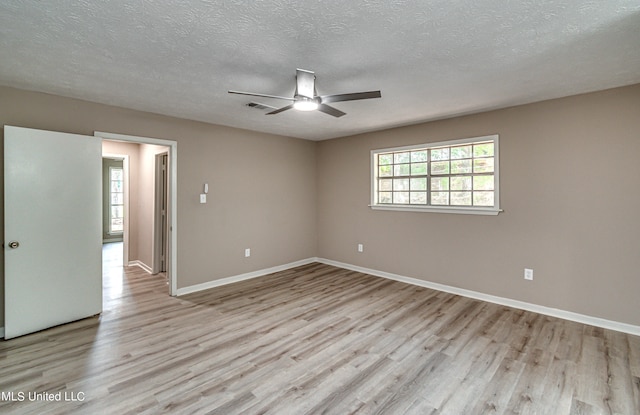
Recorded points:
433,209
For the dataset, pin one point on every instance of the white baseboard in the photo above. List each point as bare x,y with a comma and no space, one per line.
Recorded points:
138,263
243,277
554,312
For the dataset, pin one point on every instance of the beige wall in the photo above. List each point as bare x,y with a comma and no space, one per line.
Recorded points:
569,169
261,187
568,174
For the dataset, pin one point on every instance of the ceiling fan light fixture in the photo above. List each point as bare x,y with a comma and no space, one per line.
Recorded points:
305,104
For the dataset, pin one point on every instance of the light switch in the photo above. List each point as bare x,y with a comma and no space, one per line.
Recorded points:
203,198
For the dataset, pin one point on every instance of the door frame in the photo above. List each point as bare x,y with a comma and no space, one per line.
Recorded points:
160,218
172,257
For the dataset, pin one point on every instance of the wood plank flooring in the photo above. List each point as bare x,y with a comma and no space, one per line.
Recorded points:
317,340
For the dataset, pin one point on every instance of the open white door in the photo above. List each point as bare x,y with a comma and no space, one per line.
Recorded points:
53,229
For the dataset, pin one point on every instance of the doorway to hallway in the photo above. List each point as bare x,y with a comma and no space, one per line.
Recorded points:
148,222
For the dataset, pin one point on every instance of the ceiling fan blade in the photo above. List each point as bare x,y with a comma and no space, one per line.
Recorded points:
259,95
330,110
260,106
350,97
279,110
305,83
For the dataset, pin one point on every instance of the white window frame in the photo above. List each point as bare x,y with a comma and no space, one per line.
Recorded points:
470,210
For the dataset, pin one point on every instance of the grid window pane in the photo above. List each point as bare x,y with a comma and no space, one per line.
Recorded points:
418,156
117,198
418,169
116,174
116,225
440,167
461,152
385,171
483,150
461,183
483,198
418,198
384,159
483,183
401,169
440,183
460,166
461,198
484,165
419,183
440,198
401,198
385,197
117,211
440,154
400,184
385,185
404,157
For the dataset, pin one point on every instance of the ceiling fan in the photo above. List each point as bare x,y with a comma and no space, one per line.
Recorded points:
306,97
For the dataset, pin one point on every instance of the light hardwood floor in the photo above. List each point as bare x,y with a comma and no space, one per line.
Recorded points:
318,339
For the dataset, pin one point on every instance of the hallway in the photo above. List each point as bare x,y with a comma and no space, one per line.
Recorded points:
115,276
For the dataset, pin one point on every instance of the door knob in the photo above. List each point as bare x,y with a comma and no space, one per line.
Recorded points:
14,244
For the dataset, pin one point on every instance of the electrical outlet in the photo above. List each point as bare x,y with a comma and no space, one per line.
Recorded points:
360,248
247,252
528,274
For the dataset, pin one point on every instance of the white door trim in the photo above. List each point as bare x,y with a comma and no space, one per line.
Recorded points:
172,268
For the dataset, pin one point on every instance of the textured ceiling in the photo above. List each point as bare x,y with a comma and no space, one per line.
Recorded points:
431,59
